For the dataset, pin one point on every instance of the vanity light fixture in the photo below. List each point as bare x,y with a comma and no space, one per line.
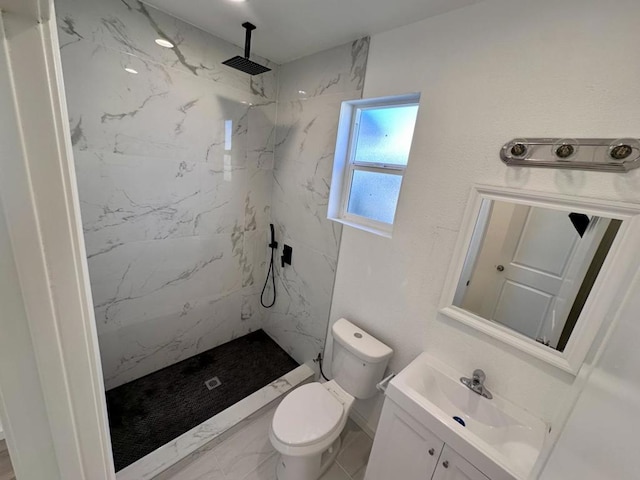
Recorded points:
163,42
596,154
131,70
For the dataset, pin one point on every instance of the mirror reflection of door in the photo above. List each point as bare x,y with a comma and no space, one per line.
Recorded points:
529,268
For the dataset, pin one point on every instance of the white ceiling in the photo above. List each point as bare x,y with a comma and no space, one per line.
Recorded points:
290,29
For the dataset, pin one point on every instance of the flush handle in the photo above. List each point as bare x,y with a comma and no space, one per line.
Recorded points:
431,451
445,464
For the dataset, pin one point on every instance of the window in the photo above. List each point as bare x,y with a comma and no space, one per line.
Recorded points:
372,151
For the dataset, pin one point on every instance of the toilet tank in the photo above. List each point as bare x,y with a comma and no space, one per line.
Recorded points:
359,360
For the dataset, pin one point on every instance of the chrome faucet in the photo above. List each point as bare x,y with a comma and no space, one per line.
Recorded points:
476,384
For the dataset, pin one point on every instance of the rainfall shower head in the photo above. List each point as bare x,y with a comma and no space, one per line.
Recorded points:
243,63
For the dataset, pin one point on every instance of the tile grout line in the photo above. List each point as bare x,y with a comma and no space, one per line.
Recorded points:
259,465
343,470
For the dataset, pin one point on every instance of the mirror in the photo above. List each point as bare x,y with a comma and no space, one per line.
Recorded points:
531,269
540,271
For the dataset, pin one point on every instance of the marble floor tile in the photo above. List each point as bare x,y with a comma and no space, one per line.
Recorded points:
204,468
359,475
354,454
335,472
265,471
248,455
246,450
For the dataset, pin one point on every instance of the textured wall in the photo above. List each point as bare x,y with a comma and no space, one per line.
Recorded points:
174,171
487,73
310,94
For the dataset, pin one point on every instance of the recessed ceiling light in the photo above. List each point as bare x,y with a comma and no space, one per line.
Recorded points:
130,70
164,43
238,1
302,92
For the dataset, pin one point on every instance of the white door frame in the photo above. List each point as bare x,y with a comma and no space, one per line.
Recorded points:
40,201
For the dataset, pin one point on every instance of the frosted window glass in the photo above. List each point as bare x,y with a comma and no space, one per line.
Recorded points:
384,134
374,195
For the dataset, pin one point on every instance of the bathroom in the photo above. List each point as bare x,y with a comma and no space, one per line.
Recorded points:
182,166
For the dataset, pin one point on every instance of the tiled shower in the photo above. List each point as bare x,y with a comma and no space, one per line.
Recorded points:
181,165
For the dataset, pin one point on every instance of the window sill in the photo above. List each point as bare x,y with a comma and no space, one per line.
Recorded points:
367,228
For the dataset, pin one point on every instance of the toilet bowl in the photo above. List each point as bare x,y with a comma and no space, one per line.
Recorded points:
307,424
306,429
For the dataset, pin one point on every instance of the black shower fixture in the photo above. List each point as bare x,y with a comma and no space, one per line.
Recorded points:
273,246
243,63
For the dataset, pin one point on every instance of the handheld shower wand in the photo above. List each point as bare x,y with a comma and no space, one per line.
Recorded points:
273,246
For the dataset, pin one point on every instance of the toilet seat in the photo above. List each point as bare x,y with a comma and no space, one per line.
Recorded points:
308,415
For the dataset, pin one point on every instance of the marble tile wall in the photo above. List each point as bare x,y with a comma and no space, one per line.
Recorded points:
310,94
174,168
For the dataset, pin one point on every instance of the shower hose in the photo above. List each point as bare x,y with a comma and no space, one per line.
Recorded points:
273,245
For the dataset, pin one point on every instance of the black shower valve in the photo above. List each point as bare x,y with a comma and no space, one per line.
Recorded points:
286,255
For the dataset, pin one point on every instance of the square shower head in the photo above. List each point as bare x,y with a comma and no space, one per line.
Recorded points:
245,65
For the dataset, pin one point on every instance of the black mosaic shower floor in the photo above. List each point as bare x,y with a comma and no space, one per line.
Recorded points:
148,412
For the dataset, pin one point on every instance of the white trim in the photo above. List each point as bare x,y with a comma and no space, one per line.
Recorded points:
42,214
344,164
606,294
364,224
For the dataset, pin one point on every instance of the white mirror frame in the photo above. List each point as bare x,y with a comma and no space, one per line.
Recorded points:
607,293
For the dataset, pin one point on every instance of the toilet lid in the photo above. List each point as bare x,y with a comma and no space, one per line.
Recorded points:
307,415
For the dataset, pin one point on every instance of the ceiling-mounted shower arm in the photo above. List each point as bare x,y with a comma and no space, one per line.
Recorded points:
247,38
243,63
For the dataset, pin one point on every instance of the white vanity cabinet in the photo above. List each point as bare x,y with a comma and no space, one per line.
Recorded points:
452,466
403,449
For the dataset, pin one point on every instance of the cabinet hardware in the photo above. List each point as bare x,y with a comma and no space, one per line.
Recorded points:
431,451
445,464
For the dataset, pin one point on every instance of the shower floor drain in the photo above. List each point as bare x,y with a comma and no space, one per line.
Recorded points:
213,383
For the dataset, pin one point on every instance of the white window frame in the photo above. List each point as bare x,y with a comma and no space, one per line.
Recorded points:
344,164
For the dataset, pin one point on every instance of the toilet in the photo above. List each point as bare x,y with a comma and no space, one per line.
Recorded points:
307,424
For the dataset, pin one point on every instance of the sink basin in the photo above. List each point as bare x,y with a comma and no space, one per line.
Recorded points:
508,436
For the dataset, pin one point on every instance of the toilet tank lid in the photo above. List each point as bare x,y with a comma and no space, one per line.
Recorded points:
359,342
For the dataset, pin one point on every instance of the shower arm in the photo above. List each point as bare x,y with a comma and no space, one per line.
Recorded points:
247,38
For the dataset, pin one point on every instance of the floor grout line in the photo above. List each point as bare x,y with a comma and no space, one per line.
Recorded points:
342,468
260,464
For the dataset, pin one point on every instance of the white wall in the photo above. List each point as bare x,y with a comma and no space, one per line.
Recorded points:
487,73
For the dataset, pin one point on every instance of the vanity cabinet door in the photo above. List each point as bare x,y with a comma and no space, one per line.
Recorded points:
402,448
452,466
